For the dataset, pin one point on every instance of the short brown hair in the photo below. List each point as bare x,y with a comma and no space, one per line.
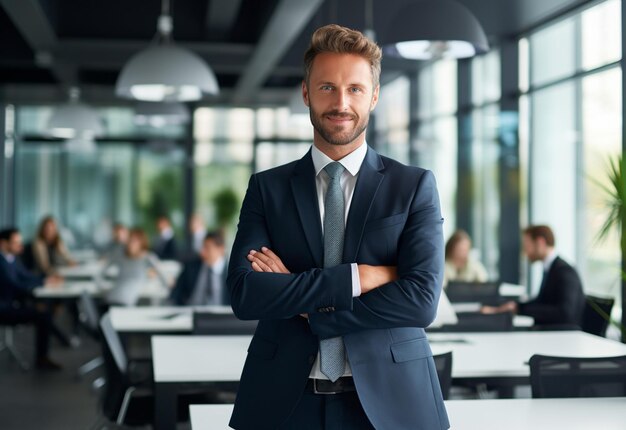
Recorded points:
336,39
543,231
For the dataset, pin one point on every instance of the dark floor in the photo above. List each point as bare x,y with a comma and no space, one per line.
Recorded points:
59,400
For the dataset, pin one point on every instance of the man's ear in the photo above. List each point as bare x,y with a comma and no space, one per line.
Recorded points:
305,94
374,98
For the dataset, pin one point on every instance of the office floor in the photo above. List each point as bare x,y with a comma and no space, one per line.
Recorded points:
35,400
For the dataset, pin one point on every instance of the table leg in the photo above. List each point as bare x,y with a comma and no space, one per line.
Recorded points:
165,406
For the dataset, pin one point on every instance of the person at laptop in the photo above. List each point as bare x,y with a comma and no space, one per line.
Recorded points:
561,299
460,265
203,279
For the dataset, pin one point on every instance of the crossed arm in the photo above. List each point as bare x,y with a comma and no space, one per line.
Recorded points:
371,277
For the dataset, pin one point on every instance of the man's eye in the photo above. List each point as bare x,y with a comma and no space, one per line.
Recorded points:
326,88
356,90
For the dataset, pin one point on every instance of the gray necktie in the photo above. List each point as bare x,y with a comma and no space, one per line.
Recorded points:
332,351
203,291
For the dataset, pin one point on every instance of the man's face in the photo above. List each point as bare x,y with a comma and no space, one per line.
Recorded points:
14,245
211,252
340,96
534,249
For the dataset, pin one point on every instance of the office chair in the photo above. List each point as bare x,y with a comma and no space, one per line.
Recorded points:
464,292
443,364
8,344
477,322
597,315
560,377
128,395
221,324
90,318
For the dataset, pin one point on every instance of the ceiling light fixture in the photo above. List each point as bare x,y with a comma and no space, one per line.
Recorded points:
164,71
75,120
433,29
159,115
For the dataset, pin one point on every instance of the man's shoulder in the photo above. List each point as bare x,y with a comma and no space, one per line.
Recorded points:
395,167
276,173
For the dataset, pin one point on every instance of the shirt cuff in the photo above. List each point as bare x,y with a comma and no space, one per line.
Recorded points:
356,281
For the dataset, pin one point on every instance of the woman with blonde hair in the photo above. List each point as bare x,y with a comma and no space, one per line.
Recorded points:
49,251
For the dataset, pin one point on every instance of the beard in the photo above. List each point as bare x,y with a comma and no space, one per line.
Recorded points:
338,135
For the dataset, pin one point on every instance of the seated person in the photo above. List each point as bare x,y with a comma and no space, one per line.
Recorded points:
459,265
117,247
561,299
16,283
49,251
134,267
203,280
165,246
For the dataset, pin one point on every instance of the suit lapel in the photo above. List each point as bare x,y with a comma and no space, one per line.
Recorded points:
367,185
305,196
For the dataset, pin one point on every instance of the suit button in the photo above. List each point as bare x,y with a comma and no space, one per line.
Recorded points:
331,309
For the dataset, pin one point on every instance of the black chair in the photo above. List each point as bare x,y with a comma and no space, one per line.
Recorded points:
477,322
483,292
90,318
560,377
128,395
443,364
221,324
597,315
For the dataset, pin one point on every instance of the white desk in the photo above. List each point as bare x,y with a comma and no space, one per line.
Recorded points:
159,319
510,414
87,270
152,290
505,355
180,360
496,357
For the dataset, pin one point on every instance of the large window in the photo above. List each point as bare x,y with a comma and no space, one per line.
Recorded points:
436,134
392,120
572,109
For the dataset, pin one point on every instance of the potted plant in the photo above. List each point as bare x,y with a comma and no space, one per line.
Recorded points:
615,192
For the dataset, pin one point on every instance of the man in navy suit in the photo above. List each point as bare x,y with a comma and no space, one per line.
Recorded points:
339,255
165,246
561,299
16,283
203,279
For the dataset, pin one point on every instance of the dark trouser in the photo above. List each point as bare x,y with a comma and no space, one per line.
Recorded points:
328,412
27,315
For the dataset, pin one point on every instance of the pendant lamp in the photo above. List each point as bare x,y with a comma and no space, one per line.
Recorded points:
164,71
74,120
432,29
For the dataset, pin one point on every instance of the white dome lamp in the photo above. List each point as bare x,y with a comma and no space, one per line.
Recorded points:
166,72
159,115
75,120
433,29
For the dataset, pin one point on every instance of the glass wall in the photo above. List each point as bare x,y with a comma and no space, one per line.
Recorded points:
485,157
574,130
436,132
392,120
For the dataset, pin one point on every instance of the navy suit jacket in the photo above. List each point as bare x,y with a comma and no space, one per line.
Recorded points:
394,219
15,281
166,249
186,282
561,299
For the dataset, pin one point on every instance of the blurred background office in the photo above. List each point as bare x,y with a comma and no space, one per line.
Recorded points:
528,131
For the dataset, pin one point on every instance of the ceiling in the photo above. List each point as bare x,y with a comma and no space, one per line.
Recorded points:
255,47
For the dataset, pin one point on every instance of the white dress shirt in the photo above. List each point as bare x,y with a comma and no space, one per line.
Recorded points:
352,164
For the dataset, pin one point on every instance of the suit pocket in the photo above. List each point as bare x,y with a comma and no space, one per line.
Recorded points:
411,350
262,348
377,224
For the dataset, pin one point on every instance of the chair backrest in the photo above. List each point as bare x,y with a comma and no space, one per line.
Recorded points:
559,377
484,292
27,257
443,364
90,312
113,344
221,324
477,322
596,315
